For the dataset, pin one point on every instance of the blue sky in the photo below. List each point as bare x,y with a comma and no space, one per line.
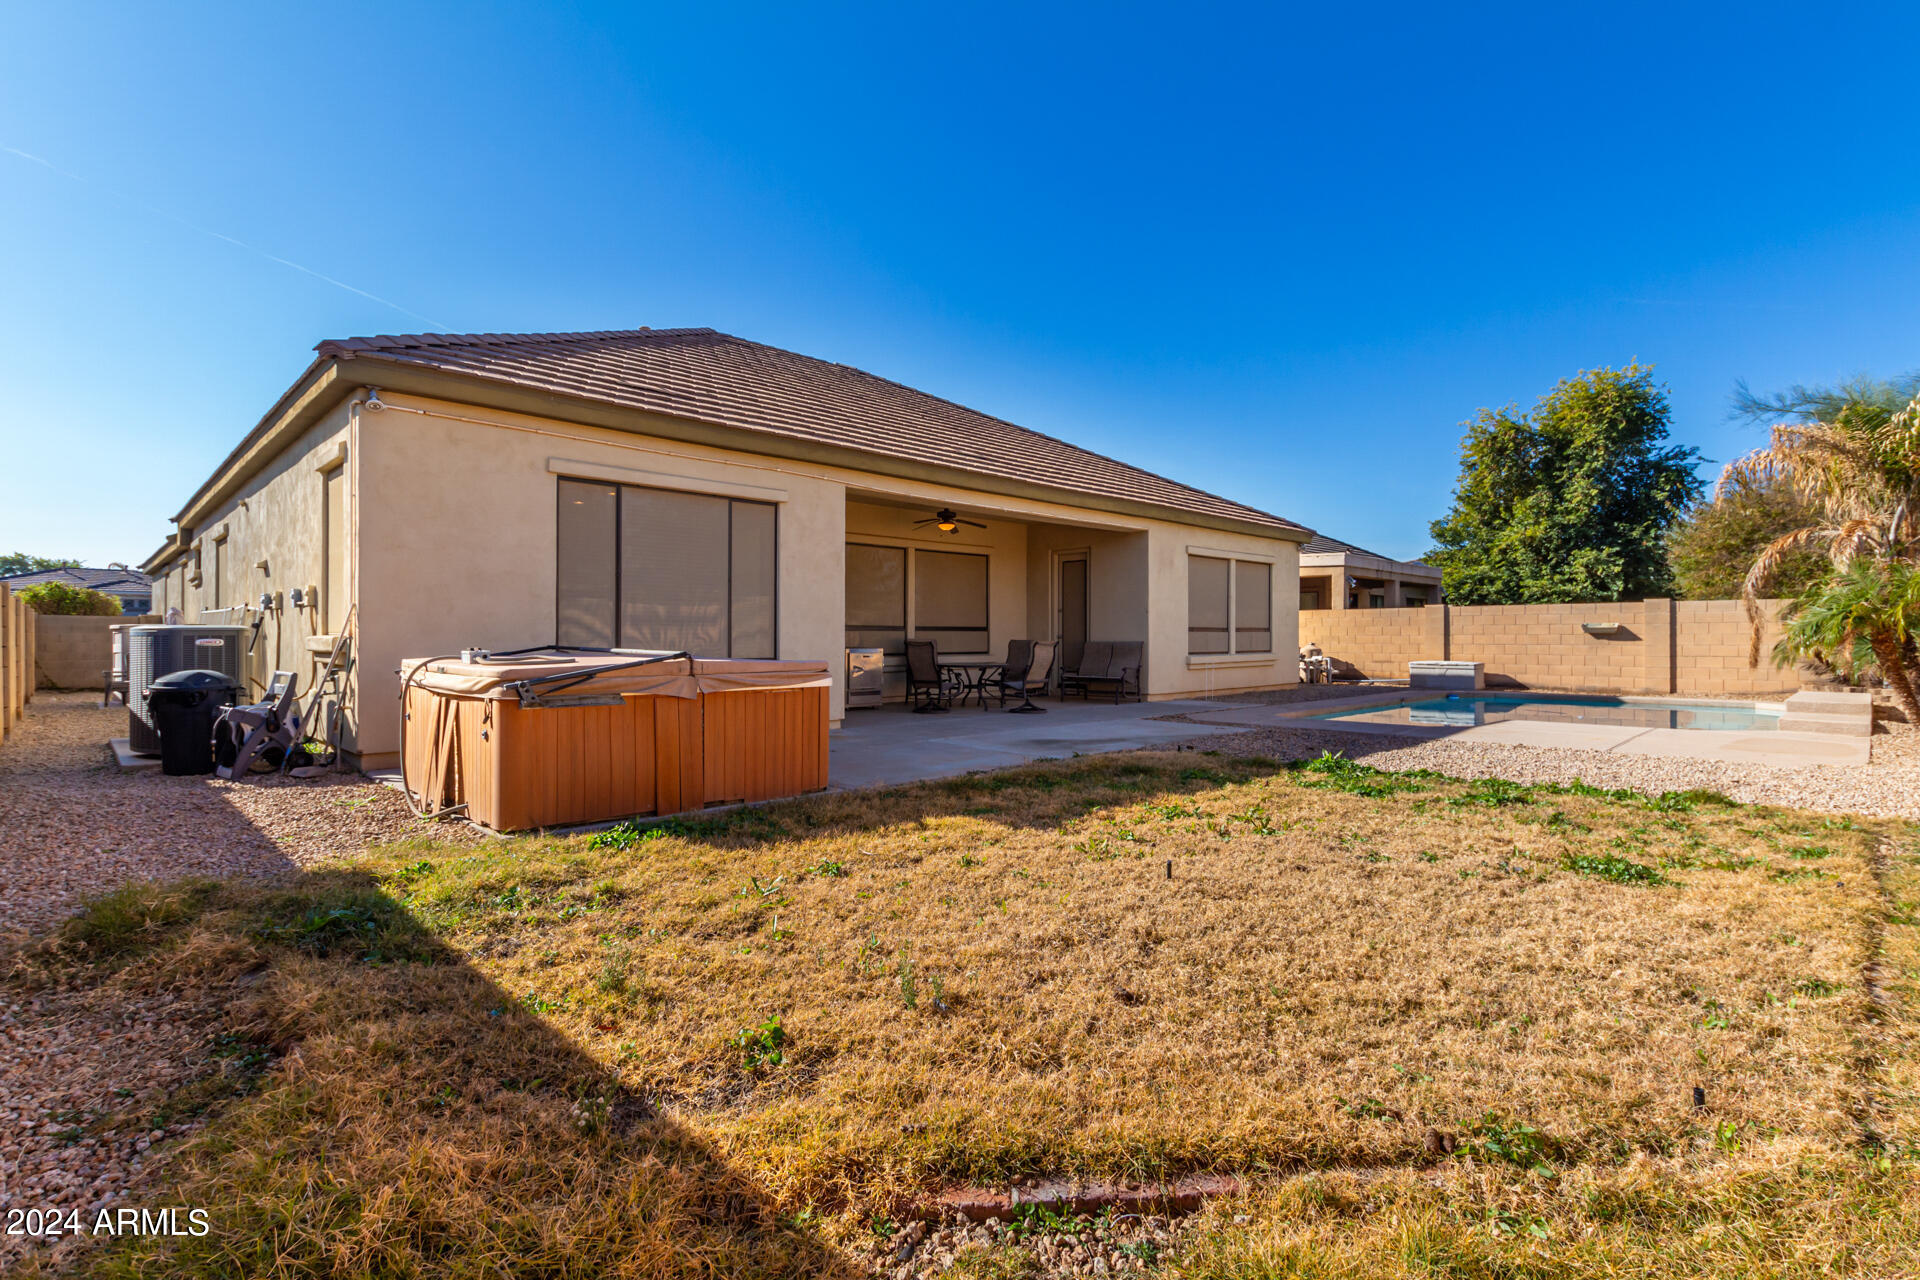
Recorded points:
1278,253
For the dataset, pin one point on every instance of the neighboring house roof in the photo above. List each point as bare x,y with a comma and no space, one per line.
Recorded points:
1322,545
714,378
113,582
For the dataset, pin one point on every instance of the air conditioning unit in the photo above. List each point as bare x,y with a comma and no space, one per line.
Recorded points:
158,651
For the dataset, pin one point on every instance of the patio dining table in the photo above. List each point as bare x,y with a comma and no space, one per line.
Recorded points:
970,677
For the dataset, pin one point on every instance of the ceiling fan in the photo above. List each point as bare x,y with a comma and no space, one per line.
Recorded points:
946,522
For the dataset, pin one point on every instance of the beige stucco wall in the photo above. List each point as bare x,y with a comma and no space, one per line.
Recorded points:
1116,580
458,536
1171,671
274,531
1662,646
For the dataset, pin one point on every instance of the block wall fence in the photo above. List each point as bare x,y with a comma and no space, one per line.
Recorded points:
73,651
1659,646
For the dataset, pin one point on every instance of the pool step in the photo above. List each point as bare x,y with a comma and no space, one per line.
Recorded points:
1846,714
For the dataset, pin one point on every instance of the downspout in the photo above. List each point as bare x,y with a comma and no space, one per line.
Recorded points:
350,686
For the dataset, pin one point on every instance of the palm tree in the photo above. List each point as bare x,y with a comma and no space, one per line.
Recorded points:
1857,469
1867,613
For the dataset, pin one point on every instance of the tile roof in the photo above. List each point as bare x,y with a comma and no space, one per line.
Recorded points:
1322,545
712,377
111,581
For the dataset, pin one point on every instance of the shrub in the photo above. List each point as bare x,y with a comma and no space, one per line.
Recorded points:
58,597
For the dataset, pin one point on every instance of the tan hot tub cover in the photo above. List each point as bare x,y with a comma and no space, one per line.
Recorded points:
667,676
556,738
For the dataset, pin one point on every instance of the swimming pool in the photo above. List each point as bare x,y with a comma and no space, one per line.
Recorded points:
1463,711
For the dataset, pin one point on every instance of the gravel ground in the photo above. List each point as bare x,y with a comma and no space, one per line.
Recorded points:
84,1081
1888,787
81,1074
1124,1245
76,826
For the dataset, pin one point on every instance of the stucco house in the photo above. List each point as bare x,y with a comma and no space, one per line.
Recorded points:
129,586
1339,575
681,488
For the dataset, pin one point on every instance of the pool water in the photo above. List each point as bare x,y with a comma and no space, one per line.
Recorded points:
1464,711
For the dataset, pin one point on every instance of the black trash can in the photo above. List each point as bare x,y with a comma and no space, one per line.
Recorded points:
183,707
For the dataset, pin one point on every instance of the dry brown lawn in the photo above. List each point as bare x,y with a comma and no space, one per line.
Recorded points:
728,1045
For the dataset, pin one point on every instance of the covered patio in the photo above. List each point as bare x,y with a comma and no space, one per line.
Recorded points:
972,578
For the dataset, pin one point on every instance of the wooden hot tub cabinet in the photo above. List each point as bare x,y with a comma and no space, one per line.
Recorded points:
681,736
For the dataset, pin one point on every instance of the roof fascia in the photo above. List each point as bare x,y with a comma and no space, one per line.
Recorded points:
315,392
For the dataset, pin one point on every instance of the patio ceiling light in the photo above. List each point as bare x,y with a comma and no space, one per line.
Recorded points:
946,521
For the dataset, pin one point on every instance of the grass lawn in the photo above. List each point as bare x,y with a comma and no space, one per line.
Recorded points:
1439,1028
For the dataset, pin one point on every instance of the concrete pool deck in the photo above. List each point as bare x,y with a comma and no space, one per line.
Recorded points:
1768,747
889,745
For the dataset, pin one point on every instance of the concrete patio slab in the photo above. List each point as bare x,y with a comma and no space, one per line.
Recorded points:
124,757
889,745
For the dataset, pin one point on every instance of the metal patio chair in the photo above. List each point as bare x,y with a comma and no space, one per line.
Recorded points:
1031,681
927,688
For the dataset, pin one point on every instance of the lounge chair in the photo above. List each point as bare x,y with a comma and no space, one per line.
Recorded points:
1030,681
926,687
1106,667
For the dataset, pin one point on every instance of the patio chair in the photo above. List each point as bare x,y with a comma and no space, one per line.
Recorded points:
1118,674
926,687
1032,680
1019,658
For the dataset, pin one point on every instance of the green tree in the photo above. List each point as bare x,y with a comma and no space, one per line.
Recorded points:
60,597
21,562
1571,502
1711,549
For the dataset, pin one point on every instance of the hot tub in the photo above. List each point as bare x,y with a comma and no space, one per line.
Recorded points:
558,737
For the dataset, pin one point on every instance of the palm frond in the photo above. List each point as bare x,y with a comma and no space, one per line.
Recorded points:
1761,576
1856,538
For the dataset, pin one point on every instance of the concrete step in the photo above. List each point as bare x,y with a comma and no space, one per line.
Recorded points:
1850,725
1821,702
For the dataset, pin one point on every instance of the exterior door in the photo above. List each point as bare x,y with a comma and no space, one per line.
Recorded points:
1071,627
